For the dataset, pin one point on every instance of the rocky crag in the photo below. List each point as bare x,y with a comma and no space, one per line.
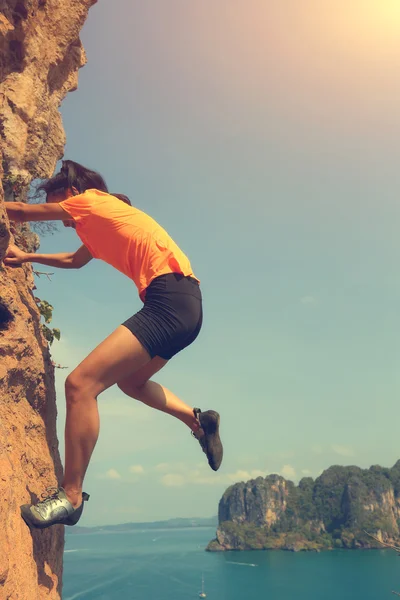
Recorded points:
334,511
40,55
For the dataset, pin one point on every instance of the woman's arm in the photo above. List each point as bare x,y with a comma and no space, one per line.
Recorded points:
20,212
64,260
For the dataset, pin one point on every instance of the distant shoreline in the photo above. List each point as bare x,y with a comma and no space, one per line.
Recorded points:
177,523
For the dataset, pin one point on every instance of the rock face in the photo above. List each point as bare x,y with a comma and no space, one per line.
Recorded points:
40,54
334,511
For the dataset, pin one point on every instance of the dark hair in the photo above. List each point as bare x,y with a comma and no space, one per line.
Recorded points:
123,198
71,175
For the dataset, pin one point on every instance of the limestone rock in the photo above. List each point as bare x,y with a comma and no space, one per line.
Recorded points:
257,501
40,54
334,511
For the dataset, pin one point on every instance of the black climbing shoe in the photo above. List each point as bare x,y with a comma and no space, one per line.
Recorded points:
208,436
54,509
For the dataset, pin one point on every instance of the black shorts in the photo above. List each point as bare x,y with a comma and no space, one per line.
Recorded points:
171,317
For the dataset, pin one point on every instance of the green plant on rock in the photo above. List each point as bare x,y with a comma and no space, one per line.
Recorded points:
46,310
14,185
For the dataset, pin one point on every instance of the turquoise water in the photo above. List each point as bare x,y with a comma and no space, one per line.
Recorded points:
168,564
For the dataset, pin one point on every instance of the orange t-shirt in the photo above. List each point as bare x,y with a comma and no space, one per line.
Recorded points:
125,238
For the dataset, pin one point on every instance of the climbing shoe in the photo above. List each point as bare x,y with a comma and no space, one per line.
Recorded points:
208,436
54,509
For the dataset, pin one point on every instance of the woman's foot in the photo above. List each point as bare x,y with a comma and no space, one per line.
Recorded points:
54,509
208,436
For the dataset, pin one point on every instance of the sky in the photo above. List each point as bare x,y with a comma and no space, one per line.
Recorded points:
264,135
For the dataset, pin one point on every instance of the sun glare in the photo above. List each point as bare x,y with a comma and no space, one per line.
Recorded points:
383,15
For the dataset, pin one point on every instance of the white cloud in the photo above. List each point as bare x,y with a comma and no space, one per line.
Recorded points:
111,474
245,475
162,467
137,469
342,450
173,480
176,466
306,472
182,474
308,300
288,472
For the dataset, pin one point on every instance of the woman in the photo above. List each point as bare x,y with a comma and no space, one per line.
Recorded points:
169,321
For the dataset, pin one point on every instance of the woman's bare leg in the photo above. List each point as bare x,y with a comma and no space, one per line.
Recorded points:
205,425
139,387
115,358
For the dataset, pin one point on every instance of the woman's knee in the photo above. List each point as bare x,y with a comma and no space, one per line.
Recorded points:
78,386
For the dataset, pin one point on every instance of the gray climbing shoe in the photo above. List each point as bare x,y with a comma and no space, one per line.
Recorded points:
54,509
208,436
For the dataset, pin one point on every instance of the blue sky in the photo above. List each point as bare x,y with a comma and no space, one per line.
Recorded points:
264,136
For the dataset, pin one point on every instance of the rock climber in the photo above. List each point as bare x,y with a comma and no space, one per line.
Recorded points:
171,318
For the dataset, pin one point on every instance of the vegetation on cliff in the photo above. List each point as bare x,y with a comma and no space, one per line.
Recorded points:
40,55
334,511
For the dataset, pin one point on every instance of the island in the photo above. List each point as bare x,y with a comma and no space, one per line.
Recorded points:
345,507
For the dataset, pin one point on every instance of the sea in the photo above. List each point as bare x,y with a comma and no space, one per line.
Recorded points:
169,564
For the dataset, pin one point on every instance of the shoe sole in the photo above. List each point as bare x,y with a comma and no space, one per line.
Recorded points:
213,441
70,521
74,518
37,524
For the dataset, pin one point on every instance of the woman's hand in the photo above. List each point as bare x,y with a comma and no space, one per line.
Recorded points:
14,256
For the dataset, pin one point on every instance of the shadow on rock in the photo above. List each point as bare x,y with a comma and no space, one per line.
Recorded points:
48,548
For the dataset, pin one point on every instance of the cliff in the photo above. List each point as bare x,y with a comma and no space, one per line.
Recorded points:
40,54
334,511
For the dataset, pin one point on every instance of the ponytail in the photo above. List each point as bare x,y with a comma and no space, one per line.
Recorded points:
71,175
